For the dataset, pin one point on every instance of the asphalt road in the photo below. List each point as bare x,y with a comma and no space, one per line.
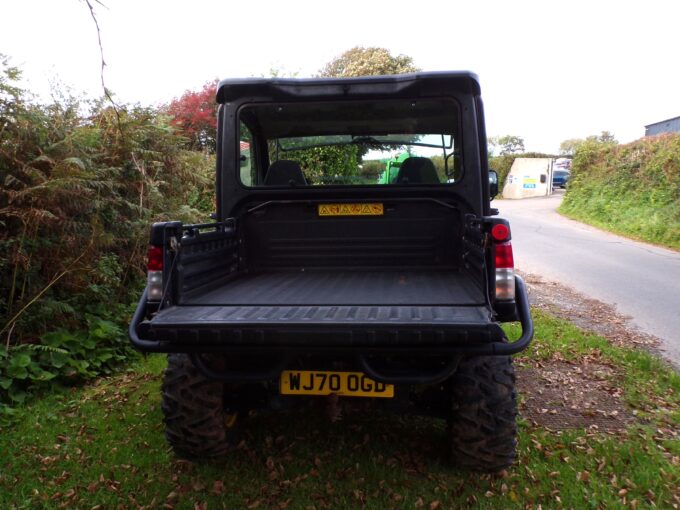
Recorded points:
640,280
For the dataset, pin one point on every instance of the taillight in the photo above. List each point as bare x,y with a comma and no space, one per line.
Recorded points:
154,275
505,271
504,259
500,232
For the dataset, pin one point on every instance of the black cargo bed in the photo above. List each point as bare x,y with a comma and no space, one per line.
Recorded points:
343,288
325,308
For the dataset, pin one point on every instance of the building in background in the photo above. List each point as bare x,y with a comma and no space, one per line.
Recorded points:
665,126
529,177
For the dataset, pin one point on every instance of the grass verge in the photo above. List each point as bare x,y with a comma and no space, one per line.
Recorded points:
642,222
102,446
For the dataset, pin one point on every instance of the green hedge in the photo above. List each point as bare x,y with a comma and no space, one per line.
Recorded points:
631,189
81,181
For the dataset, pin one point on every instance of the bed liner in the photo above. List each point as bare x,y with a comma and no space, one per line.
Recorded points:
353,288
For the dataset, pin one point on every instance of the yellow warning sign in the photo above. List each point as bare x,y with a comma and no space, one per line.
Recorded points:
351,209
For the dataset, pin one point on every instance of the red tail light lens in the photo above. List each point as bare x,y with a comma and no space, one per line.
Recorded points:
505,272
500,232
154,259
504,258
154,273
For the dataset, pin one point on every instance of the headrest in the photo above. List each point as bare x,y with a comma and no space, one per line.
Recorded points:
284,172
417,170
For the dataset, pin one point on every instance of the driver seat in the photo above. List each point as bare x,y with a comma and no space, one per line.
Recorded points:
285,172
417,170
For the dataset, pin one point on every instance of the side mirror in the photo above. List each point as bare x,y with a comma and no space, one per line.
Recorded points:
493,184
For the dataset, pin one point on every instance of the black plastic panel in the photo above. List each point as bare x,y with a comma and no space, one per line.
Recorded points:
409,234
203,327
377,315
358,288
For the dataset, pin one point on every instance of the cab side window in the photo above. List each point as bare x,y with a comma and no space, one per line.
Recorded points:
248,169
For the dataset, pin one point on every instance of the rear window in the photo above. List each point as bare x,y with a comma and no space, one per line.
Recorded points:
353,143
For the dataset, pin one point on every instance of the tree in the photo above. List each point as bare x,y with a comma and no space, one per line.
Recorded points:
195,115
360,61
570,146
508,144
607,137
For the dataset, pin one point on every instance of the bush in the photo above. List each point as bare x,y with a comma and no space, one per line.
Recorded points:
62,357
632,189
80,183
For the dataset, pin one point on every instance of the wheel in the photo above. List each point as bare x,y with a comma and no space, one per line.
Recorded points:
482,421
196,421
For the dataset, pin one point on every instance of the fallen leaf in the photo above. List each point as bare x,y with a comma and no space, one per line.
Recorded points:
218,487
583,476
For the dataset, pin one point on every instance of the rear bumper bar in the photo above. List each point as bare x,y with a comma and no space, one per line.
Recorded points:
460,339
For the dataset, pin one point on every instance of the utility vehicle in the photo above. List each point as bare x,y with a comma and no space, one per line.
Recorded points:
320,278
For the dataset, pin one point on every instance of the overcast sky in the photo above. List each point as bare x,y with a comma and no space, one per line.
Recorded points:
550,70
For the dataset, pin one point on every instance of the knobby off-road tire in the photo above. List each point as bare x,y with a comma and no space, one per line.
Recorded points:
196,423
482,424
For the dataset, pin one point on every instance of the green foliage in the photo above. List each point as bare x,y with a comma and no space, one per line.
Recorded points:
360,61
63,357
631,189
327,165
371,169
80,182
570,146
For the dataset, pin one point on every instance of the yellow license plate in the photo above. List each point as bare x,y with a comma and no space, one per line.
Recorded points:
351,209
346,384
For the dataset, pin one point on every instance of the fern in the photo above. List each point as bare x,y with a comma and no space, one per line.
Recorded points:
38,348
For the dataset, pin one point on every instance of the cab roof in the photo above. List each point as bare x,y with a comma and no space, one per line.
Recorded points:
423,84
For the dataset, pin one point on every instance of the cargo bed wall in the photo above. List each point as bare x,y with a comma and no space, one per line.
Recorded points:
418,234
206,260
416,253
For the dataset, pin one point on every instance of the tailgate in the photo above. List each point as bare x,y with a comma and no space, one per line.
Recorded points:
320,327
